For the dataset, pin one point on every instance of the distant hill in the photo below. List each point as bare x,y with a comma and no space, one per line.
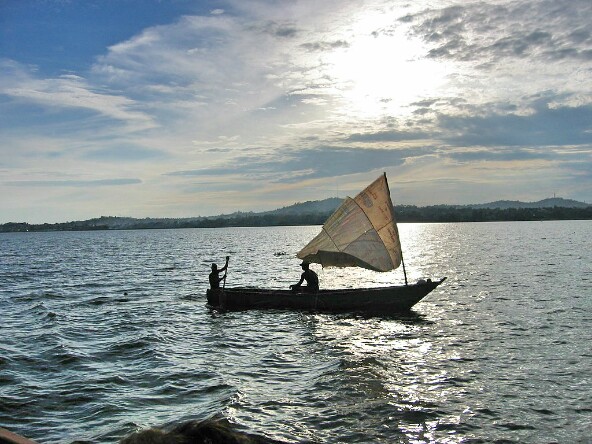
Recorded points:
309,207
545,203
316,212
329,205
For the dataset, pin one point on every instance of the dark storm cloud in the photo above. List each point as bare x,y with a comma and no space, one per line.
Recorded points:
550,30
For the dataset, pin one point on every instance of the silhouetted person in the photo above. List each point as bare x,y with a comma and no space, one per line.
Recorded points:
311,278
215,278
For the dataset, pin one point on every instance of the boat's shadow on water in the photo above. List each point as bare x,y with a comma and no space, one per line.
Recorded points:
408,317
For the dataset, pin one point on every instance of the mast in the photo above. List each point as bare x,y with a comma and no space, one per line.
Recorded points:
402,261
404,272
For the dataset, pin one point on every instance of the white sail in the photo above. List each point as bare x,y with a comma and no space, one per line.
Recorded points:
362,232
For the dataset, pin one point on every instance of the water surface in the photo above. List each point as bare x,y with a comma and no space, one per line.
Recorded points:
105,333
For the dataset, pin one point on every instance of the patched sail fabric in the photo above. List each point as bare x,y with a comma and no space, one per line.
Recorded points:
362,232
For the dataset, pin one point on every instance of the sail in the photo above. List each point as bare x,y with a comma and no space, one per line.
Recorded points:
362,232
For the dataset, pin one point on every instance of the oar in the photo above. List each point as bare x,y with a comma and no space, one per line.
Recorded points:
225,272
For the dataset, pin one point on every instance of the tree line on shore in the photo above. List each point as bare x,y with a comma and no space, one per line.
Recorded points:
404,213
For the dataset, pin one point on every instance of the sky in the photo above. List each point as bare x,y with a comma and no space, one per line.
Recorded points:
185,108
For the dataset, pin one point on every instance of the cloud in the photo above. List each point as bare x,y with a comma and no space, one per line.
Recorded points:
206,72
69,92
321,162
204,172
197,53
125,153
73,183
389,136
499,154
322,46
487,32
283,30
545,127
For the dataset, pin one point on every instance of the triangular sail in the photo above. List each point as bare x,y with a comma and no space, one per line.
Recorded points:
362,232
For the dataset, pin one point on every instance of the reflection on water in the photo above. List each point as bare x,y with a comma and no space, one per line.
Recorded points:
386,366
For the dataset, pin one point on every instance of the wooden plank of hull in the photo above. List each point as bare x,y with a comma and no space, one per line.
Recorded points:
382,300
8,437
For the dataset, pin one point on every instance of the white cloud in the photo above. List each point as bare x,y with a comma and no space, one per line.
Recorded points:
71,91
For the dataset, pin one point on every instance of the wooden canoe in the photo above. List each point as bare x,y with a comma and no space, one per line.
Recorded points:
394,299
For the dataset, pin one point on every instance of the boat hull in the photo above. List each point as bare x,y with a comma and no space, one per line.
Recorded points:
394,299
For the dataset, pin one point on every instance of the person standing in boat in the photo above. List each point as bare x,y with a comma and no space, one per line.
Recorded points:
311,278
215,278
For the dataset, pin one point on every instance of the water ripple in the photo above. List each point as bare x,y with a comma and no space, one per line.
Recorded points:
107,333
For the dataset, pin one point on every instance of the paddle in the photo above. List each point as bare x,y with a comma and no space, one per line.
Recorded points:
225,272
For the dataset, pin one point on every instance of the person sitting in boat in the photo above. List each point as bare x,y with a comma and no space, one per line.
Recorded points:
311,278
215,278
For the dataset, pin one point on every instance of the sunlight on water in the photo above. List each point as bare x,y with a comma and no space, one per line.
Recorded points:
393,365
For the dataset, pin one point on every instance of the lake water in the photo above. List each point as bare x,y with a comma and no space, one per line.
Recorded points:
105,333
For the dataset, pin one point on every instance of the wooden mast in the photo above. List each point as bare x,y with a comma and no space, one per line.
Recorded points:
389,196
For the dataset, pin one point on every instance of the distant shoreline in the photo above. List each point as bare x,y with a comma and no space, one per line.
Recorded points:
404,214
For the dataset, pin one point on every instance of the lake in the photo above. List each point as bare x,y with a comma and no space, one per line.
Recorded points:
106,333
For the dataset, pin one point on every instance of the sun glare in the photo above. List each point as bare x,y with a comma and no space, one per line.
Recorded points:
383,69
